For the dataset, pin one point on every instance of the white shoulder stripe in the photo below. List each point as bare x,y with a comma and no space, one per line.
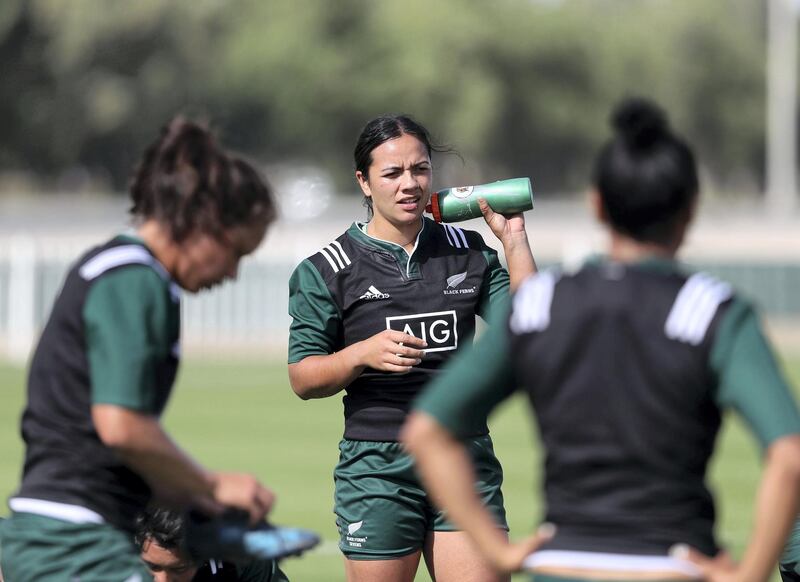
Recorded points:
694,308
460,233
329,258
448,235
335,255
332,252
343,254
115,257
452,237
532,303
455,236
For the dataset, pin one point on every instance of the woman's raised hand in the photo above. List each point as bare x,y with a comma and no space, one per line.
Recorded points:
503,226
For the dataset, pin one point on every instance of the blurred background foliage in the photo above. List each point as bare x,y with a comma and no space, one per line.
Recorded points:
518,87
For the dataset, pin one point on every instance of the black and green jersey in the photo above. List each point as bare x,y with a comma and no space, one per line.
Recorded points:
256,571
112,338
627,368
358,286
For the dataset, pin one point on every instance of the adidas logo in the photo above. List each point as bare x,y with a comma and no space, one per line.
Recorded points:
373,293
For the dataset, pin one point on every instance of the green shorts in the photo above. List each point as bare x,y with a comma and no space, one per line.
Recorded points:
383,512
41,549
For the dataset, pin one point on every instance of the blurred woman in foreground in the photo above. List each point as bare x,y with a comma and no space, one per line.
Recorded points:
95,449
628,364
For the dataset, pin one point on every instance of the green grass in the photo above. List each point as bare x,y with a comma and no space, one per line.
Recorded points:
244,416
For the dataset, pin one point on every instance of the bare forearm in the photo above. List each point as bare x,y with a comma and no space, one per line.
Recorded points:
519,258
776,509
323,376
172,473
146,448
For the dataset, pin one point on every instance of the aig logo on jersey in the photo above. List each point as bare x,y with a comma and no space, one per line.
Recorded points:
437,329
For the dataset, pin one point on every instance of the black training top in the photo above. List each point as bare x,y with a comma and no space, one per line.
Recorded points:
358,286
627,368
255,571
112,338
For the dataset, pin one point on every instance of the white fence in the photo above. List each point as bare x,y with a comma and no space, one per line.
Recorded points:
250,316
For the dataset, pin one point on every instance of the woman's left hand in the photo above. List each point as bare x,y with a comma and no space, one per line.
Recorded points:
510,229
511,557
720,568
504,227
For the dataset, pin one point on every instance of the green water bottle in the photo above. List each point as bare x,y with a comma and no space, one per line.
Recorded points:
504,196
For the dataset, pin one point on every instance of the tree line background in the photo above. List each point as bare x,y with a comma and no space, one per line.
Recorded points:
518,87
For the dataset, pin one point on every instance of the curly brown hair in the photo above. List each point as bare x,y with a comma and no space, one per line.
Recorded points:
187,182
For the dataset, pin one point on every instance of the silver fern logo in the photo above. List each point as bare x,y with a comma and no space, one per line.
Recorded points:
456,280
353,540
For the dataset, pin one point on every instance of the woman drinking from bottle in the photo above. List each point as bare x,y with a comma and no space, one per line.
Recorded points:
375,314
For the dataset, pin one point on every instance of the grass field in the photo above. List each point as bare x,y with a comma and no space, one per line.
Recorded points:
244,416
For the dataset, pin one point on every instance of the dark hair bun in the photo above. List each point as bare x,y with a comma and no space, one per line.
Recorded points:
640,123
646,174
188,182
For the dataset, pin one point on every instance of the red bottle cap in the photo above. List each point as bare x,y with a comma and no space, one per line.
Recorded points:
433,207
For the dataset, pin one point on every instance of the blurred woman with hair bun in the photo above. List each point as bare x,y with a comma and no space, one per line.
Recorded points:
95,449
628,364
